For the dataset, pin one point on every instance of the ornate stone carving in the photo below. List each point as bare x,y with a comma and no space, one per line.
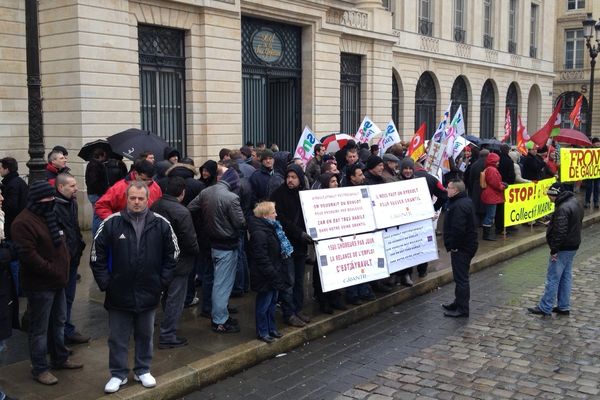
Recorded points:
491,56
352,19
515,60
571,75
463,50
430,44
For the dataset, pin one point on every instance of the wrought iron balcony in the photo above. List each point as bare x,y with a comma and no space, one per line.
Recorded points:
532,51
460,35
512,47
488,41
425,27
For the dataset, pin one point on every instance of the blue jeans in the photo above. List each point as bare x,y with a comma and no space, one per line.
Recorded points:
558,282
47,313
360,291
96,221
225,263
266,303
70,297
593,186
490,215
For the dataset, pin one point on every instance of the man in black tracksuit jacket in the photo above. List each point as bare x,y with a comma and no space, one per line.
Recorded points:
133,258
460,240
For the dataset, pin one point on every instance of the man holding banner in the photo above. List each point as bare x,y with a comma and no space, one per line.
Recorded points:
563,237
460,240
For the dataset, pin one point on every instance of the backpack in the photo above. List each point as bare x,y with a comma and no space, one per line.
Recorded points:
482,181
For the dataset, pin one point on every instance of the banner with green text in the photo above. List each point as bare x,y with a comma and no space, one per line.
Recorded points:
579,164
526,202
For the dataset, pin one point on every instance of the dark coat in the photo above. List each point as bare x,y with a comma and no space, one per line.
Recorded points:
533,167
96,179
473,185
460,225
67,216
507,169
9,302
564,230
14,191
259,180
193,187
133,277
371,179
264,257
52,172
43,265
434,185
181,222
289,212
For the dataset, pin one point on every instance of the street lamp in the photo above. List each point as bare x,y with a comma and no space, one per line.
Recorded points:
589,25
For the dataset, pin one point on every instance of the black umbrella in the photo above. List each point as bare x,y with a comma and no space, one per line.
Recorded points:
491,144
88,149
131,142
473,139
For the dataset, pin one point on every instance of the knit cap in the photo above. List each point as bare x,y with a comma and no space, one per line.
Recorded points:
40,190
555,189
266,154
373,161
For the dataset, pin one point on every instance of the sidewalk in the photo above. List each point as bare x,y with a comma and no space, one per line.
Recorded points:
211,356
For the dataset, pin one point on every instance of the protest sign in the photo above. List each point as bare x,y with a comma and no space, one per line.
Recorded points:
389,138
435,156
366,131
579,164
398,203
337,212
306,144
409,245
526,202
351,260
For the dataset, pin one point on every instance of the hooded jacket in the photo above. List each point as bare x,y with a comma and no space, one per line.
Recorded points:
289,211
281,161
564,229
133,276
264,256
259,180
115,198
494,192
193,187
211,167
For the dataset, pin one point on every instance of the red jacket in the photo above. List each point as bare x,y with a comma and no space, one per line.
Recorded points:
494,192
115,198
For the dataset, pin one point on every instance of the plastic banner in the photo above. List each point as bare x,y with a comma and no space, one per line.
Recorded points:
409,245
526,202
579,164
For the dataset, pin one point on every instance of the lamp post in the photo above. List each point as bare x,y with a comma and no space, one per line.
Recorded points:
589,25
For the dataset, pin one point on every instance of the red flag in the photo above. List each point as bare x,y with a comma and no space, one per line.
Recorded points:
575,115
507,127
541,136
416,148
521,137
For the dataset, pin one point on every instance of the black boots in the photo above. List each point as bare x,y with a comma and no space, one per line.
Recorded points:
488,233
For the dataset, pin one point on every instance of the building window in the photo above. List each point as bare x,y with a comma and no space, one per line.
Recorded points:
425,17
574,46
512,104
487,110
488,15
575,4
350,93
162,84
534,30
460,97
459,21
395,101
425,103
512,27
569,100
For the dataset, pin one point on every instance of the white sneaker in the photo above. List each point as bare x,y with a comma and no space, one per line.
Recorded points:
147,380
114,384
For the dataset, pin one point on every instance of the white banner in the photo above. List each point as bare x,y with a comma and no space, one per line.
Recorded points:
337,212
366,131
351,260
306,144
409,245
398,203
435,158
389,138
459,144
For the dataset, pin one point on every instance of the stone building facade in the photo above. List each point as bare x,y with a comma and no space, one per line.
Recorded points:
207,74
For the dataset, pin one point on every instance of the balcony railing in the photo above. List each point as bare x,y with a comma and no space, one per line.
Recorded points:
460,35
425,27
512,47
488,41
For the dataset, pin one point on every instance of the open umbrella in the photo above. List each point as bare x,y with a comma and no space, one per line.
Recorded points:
491,144
335,141
473,139
572,136
131,142
88,149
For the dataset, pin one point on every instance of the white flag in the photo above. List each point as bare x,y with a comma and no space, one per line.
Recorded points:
459,122
306,144
389,138
459,144
366,131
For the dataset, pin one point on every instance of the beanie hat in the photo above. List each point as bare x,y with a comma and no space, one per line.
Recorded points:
232,178
407,162
246,151
373,161
62,149
555,189
266,154
40,190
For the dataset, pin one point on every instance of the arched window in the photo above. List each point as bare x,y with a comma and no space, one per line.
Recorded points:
460,97
425,103
569,100
512,104
395,101
488,109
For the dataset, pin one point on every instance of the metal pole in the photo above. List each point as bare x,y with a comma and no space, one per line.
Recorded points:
593,54
36,163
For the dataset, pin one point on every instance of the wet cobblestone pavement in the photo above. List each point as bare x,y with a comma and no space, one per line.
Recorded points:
413,352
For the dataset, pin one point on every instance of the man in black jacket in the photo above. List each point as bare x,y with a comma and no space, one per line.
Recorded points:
96,181
133,259
14,191
170,207
460,240
65,207
563,236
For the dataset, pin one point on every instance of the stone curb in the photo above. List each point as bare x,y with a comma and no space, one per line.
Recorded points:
196,375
